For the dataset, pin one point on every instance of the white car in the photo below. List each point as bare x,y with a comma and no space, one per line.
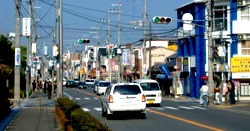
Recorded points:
123,98
101,86
152,91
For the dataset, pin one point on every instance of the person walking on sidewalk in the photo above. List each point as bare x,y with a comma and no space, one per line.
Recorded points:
217,92
49,90
34,85
231,88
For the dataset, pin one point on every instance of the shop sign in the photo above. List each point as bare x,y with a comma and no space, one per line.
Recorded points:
186,64
179,64
240,64
126,57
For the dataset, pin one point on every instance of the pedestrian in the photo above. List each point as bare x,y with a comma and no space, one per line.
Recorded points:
46,85
34,85
231,89
203,92
217,92
49,90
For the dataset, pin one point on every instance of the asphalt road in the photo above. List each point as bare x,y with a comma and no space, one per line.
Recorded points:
172,115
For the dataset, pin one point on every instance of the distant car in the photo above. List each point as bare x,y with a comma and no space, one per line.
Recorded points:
101,86
81,85
76,80
90,82
123,98
70,84
64,82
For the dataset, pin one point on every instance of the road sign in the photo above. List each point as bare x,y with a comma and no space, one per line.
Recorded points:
26,26
17,57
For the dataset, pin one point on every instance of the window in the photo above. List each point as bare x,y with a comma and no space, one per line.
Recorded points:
245,47
220,17
245,13
150,86
127,90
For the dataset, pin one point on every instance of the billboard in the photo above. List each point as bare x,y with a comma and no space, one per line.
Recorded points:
240,64
126,57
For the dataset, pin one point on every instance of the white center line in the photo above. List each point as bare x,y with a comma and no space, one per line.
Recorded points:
85,109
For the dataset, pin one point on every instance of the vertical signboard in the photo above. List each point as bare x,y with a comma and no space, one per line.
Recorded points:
186,65
179,64
45,50
112,64
133,61
140,54
33,48
26,27
126,57
17,57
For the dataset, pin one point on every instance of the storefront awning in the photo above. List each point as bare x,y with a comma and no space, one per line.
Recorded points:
166,72
161,76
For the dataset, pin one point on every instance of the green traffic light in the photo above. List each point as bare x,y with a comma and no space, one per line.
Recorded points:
156,20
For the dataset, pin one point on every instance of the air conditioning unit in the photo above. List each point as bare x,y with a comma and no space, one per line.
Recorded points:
241,2
242,37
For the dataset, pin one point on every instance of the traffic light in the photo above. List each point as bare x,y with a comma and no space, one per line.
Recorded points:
91,54
161,20
83,41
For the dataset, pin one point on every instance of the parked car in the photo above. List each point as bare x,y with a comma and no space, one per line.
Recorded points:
81,85
123,98
70,84
152,91
101,86
90,82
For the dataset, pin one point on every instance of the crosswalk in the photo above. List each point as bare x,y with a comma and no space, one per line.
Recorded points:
177,108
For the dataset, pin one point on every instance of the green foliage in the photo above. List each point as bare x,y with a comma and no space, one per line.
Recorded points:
79,119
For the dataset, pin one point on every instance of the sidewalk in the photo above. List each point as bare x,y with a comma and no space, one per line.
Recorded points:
32,117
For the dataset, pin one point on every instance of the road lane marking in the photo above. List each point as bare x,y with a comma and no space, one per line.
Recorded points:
87,93
86,98
185,120
184,107
198,107
169,107
78,98
98,109
85,109
96,98
70,97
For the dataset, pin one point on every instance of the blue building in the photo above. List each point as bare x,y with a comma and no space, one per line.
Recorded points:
230,40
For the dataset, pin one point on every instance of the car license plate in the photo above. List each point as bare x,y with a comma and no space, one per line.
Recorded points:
150,101
127,101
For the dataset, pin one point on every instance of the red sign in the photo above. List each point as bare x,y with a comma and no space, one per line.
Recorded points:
112,64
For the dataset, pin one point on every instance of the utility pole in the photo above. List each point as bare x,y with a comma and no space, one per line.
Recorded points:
33,40
210,45
61,52
150,39
119,41
108,42
17,55
144,37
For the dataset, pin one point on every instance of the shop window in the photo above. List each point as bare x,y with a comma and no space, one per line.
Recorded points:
245,48
220,17
245,13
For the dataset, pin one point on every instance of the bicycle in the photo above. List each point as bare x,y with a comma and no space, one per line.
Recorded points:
205,101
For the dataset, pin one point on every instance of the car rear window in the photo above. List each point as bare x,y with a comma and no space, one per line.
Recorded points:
90,81
104,83
150,86
127,89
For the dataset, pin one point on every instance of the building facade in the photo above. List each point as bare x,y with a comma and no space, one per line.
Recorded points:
230,46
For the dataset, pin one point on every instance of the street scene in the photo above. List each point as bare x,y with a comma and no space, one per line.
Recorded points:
125,65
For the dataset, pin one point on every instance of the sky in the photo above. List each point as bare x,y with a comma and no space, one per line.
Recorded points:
87,19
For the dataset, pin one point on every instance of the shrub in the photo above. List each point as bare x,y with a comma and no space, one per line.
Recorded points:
79,119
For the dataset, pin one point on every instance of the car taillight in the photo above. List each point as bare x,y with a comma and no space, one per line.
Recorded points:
111,99
143,98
